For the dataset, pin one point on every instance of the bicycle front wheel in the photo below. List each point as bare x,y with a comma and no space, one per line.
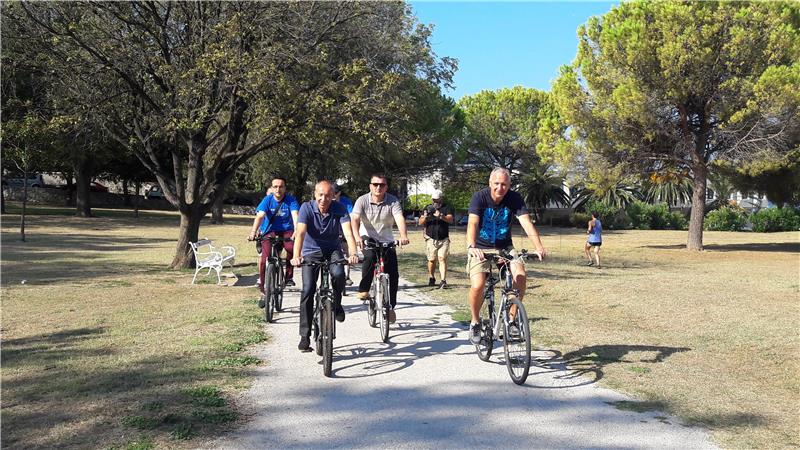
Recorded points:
269,293
371,306
484,348
318,330
327,338
517,343
384,308
280,285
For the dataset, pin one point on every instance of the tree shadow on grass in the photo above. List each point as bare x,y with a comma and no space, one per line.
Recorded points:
48,258
149,394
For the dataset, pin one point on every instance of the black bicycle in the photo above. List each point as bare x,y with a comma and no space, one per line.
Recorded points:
516,334
273,277
323,324
379,302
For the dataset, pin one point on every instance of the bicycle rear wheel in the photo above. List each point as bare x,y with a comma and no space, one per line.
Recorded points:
269,293
517,347
371,306
484,348
280,285
327,338
384,308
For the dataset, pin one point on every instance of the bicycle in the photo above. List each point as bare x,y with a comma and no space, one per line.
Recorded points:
323,324
379,300
516,344
274,278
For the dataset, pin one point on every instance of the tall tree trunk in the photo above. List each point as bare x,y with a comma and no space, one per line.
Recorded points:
138,187
700,179
83,179
126,198
69,200
24,203
189,230
216,211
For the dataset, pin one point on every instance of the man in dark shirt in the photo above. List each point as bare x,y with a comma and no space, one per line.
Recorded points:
437,218
490,215
320,223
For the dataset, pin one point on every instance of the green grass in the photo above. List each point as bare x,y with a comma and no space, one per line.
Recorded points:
125,353
121,344
708,336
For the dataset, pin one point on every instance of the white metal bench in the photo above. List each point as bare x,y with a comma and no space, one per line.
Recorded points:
207,256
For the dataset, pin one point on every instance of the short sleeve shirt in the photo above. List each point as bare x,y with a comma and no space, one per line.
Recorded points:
277,219
494,230
347,203
323,230
377,218
437,228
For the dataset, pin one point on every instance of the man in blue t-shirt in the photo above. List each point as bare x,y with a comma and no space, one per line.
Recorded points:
343,199
320,224
490,216
276,215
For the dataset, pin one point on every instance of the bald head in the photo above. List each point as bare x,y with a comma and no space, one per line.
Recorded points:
323,194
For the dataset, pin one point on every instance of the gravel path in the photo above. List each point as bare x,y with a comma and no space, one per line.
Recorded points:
427,388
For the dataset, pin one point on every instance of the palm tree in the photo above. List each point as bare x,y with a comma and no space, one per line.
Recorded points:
607,185
668,186
541,187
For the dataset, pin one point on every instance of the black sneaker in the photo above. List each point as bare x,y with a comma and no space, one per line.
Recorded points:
290,282
443,285
261,302
431,281
475,333
339,314
590,263
305,344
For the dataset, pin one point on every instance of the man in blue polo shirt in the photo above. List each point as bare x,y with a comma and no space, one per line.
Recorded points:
320,224
345,200
275,215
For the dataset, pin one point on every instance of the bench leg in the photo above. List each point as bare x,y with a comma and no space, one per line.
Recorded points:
218,269
195,274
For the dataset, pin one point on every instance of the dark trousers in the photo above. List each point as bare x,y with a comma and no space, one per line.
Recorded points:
266,248
310,277
389,266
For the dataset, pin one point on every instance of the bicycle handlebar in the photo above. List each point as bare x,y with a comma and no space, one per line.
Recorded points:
506,256
272,239
369,245
325,262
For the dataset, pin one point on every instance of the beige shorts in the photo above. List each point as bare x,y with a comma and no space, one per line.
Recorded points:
475,267
437,249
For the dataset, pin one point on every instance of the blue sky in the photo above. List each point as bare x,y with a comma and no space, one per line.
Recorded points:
505,44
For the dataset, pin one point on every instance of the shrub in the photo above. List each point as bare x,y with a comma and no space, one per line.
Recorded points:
726,218
612,217
638,213
645,216
775,219
579,219
677,221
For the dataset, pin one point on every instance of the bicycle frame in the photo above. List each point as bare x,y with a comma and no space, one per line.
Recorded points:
508,288
379,271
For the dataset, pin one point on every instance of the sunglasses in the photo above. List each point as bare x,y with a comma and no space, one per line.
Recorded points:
378,184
